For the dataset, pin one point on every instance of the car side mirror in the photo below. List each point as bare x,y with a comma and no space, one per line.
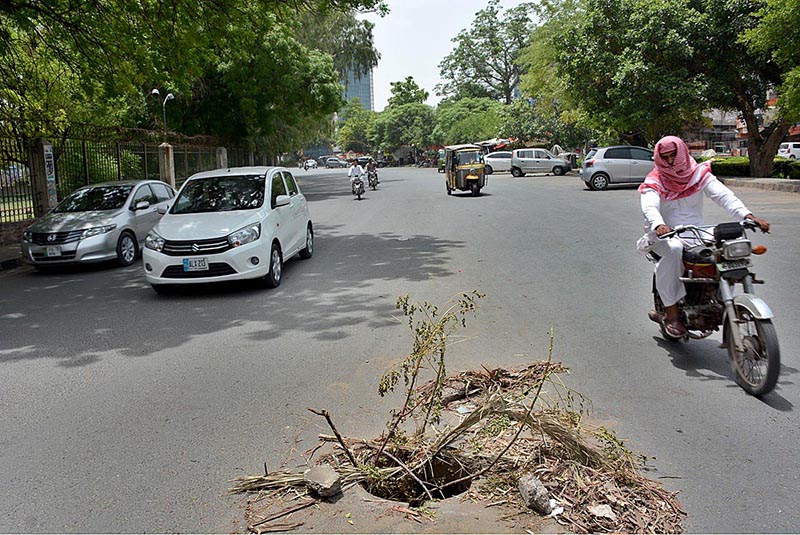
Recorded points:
142,205
282,200
162,210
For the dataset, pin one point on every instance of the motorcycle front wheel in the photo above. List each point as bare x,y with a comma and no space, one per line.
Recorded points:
756,368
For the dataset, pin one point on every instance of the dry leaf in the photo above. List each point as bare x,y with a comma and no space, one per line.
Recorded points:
603,511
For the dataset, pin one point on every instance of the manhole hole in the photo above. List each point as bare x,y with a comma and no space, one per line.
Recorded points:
438,473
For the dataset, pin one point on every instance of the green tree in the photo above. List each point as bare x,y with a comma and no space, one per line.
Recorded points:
356,127
547,112
407,92
408,124
649,69
484,62
467,120
775,38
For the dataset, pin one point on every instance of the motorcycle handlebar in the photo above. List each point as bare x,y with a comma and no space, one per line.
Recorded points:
745,223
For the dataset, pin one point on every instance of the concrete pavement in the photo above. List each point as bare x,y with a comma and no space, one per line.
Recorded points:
10,255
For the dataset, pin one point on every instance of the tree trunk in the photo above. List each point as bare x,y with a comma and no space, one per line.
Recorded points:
762,145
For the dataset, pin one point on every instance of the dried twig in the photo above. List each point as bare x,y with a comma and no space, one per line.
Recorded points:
327,416
409,472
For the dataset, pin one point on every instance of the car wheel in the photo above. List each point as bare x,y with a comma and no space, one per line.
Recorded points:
517,172
308,251
558,170
273,278
489,170
127,249
792,157
599,182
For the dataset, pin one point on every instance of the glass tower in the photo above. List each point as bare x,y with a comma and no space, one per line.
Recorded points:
359,85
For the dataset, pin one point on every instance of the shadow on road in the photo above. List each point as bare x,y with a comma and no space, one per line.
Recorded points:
90,312
704,360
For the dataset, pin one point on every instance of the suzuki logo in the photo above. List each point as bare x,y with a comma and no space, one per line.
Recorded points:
195,247
51,237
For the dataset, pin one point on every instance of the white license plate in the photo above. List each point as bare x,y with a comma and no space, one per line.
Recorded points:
730,265
195,264
53,250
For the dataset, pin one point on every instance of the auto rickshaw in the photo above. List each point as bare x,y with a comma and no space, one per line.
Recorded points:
464,169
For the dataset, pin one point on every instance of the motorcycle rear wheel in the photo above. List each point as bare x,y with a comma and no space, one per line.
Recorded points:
758,367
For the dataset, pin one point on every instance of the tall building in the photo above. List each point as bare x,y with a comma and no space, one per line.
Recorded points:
359,85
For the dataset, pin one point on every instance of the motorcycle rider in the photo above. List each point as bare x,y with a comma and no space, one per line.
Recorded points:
372,167
355,172
672,195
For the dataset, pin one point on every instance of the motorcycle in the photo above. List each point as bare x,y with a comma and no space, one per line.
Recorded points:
716,259
372,179
305,165
358,187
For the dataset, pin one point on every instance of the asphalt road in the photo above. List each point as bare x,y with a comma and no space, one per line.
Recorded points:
125,411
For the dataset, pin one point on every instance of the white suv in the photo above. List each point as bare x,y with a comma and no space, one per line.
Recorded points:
789,150
228,224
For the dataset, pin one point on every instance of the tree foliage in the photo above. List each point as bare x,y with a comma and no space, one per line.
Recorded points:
467,120
407,92
356,128
408,124
648,68
239,69
776,38
484,62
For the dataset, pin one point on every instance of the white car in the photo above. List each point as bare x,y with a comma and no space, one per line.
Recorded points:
230,224
789,150
498,161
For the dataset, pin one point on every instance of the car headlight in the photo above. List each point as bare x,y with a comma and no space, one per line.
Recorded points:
736,249
154,241
94,231
245,235
27,235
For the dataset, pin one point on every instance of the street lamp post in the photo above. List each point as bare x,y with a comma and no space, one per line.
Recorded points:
169,96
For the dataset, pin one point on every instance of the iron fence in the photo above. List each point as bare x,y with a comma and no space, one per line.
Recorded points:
82,162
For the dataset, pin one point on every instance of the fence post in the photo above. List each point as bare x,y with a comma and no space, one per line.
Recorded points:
222,158
166,164
42,166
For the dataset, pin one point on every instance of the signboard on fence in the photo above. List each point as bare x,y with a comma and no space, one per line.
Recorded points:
50,174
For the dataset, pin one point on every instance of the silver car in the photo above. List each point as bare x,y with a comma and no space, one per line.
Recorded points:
498,161
107,221
621,164
537,161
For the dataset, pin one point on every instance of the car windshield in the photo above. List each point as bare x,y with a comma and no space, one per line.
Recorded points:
220,194
96,198
468,157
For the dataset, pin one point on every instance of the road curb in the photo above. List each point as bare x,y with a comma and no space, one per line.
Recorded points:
774,184
9,264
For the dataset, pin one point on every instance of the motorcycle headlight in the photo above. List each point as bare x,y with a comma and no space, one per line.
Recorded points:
245,235
154,241
736,249
95,231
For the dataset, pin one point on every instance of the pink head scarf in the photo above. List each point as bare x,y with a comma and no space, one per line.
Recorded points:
682,178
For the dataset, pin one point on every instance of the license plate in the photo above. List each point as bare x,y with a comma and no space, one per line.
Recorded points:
195,264
53,250
730,265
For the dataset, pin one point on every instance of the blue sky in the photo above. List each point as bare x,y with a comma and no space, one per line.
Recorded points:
415,37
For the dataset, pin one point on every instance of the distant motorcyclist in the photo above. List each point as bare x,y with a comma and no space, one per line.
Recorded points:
372,167
355,172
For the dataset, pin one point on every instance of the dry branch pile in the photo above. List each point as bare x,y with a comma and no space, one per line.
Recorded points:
495,436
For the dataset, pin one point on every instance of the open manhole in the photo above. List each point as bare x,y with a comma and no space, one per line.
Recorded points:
438,476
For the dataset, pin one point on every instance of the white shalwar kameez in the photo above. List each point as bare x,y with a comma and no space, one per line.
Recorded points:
685,211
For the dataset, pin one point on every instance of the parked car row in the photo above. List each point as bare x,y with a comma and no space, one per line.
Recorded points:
222,225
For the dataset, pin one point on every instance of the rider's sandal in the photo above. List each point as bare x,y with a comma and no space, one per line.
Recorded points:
655,316
675,328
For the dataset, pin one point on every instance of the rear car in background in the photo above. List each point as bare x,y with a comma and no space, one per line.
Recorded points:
497,161
622,164
790,150
96,223
525,161
230,224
